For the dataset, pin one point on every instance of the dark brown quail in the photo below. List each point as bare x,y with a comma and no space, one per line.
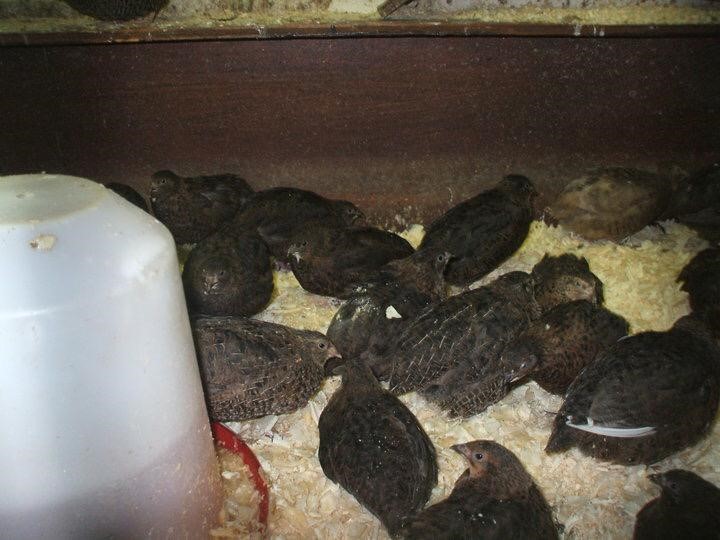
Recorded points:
701,280
195,207
696,203
117,10
334,261
470,388
564,279
646,397
228,274
482,232
253,368
563,341
552,350
467,328
370,320
481,379
422,271
495,498
129,194
373,446
278,214
688,508
611,202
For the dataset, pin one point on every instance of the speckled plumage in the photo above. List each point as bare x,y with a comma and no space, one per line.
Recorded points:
495,499
373,446
563,341
467,328
688,508
195,207
371,320
696,203
422,271
335,261
565,278
253,368
701,280
117,10
611,202
482,232
129,194
666,385
469,389
228,274
278,214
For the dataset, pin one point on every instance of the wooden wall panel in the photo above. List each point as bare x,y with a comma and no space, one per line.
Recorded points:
388,122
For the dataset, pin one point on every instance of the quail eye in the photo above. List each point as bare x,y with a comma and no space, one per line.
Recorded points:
321,345
304,243
477,456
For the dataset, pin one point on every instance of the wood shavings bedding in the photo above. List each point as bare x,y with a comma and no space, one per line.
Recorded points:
28,16
239,515
590,498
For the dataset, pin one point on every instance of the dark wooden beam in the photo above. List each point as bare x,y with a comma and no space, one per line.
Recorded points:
399,125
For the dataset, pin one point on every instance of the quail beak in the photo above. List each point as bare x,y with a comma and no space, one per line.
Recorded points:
334,366
522,371
333,361
333,352
513,376
210,284
293,252
461,449
537,212
359,220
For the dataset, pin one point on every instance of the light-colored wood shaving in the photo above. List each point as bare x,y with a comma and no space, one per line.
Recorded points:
23,16
590,498
239,514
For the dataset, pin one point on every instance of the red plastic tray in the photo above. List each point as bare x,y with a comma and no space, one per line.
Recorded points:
227,438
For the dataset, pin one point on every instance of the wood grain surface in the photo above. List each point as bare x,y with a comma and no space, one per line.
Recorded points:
398,125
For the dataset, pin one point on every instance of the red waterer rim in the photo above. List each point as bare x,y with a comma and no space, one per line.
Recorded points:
229,440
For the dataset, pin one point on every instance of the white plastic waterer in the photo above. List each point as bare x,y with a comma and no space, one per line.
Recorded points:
104,431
